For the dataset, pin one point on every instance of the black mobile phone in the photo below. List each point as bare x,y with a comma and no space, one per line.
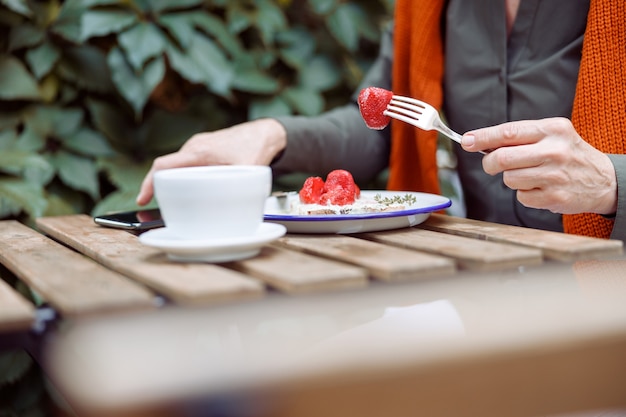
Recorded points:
137,220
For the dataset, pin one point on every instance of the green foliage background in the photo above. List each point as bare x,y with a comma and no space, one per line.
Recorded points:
92,90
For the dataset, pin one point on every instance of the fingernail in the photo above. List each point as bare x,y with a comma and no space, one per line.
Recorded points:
467,141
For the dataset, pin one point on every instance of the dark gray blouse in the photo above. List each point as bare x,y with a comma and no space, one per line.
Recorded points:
488,80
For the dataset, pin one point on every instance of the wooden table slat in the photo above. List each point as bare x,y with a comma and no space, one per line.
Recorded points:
294,272
554,245
16,312
189,283
70,282
468,253
383,262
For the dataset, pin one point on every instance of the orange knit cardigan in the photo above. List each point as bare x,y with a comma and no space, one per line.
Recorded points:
599,106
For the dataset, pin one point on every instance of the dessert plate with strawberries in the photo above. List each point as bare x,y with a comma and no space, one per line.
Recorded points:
373,211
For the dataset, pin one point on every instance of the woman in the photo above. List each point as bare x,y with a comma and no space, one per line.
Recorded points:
514,66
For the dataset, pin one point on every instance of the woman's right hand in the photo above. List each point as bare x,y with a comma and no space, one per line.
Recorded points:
251,143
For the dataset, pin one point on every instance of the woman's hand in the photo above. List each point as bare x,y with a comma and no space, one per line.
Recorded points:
549,165
251,143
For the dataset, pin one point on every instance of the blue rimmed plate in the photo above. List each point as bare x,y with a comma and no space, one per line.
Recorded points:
356,223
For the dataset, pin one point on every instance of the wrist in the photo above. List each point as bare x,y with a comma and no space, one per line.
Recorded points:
609,208
275,138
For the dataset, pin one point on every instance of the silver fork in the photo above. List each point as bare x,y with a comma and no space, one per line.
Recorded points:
419,114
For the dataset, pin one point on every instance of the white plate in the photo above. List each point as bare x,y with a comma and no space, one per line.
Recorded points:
357,223
212,250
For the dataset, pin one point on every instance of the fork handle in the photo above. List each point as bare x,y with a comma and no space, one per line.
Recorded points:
441,127
437,124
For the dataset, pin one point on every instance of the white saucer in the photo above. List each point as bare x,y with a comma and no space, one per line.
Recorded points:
212,250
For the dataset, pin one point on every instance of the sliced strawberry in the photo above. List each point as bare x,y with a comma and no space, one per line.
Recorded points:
372,103
337,197
311,190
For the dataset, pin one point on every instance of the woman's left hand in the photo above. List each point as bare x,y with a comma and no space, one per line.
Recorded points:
549,165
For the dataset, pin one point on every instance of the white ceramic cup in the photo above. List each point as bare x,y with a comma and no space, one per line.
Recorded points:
213,202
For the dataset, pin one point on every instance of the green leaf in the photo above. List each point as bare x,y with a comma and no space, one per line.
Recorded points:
204,63
141,43
65,121
104,22
269,108
63,205
30,139
254,81
13,366
16,83
54,121
77,172
86,67
269,20
265,58
212,25
124,173
8,137
342,23
305,101
165,132
42,59
18,6
159,6
95,3
17,195
320,74
67,94
238,19
111,122
35,118
212,113
297,47
123,200
31,166
322,7
367,27
9,120
67,25
64,200
135,87
180,26
88,142
28,395
24,36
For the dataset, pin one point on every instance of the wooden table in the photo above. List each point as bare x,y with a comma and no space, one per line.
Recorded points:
524,322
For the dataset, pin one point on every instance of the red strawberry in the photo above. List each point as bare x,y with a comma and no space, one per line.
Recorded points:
372,102
339,188
311,190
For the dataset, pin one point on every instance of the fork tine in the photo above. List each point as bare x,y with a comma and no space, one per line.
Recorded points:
410,120
408,112
411,100
409,107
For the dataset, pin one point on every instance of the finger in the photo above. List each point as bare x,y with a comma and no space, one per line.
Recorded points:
554,201
513,158
523,179
507,134
146,190
531,198
173,160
